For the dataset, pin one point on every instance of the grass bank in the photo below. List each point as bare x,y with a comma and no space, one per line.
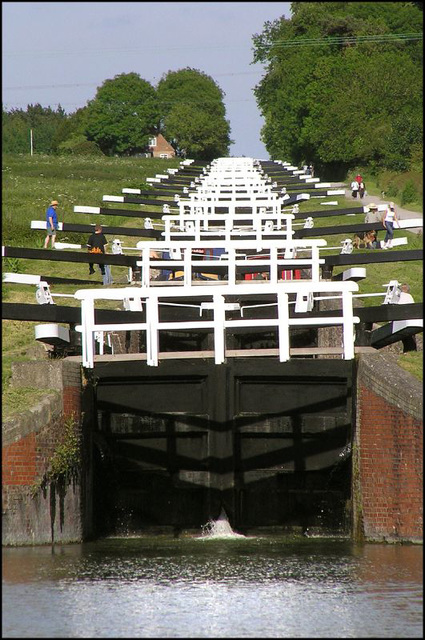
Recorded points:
404,189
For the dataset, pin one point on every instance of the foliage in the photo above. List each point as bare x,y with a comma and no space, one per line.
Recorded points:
65,460
73,126
339,89
196,134
123,115
79,145
186,107
17,124
13,265
393,185
409,193
193,114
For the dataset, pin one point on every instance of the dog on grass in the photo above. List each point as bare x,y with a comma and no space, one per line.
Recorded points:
364,239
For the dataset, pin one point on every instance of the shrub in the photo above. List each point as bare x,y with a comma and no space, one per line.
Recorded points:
409,193
392,190
79,146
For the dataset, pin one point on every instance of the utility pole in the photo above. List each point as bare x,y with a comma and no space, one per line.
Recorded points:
31,142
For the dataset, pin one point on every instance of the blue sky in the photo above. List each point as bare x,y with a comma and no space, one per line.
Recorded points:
60,52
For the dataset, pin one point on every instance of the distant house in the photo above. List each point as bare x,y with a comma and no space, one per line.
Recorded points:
160,148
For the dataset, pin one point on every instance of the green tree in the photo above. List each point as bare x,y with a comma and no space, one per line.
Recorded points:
123,115
196,133
15,132
43,121
193,113
341,81
73,126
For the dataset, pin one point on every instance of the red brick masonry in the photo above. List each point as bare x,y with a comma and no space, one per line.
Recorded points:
19,463
389,444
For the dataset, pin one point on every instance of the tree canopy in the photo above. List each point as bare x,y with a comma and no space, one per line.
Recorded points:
343,83
123,115
186,107
17,124
193,114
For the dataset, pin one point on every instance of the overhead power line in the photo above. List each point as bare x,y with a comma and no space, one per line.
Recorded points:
331,40
153,49
97,84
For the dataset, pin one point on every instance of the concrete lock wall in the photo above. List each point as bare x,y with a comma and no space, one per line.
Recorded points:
387,453
34,513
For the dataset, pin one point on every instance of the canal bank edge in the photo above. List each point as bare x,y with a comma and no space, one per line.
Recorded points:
387,456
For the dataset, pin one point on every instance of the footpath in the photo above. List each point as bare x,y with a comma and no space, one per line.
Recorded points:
402,214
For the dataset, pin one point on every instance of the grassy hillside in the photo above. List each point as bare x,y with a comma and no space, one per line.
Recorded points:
30,183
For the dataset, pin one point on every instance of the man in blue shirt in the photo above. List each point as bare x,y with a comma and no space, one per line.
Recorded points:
51,223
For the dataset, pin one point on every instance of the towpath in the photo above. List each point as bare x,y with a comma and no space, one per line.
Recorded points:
402,213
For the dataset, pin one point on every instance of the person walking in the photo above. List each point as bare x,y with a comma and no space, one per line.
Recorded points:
354,188
362,189
96,244
51,224
388,219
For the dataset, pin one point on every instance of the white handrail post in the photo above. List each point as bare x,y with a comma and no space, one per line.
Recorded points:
348,324
274,271
100,340
198,230
228,226
219,329
315,271
152,331
167,229
145,279
87,332
231,266
187,259
283,326
258,229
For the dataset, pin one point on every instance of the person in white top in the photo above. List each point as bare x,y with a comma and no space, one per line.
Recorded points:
354,188
405,295
388,219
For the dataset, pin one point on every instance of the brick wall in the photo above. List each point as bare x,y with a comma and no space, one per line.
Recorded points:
19,464
388,452
28,442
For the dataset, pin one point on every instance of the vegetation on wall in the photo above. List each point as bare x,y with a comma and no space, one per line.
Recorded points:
65,462
66,457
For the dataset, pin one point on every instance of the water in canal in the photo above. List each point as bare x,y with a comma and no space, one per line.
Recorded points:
213,585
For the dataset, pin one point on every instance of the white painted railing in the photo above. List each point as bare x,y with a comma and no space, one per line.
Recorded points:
219,299
270,256
208,204
226,183
201,225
